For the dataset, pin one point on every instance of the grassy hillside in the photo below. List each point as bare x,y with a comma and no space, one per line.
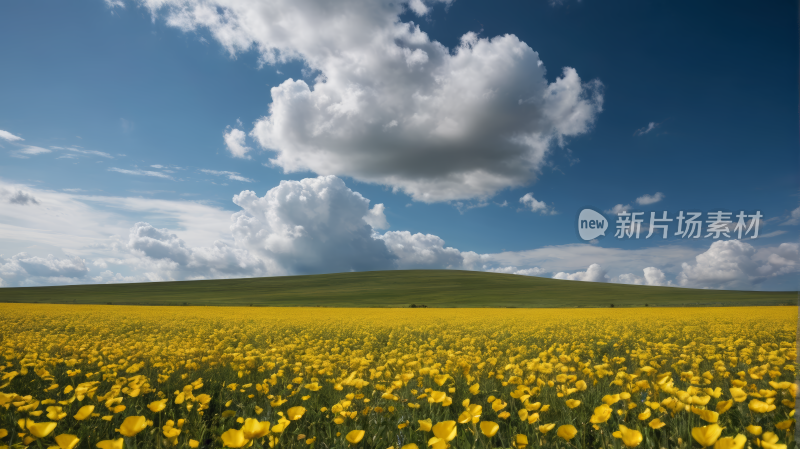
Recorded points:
433,288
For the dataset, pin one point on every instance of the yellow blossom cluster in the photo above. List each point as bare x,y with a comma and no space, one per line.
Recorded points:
74,376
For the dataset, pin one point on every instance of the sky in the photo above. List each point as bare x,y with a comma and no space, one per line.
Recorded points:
155,140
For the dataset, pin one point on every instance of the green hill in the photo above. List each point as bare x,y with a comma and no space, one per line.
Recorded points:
433,288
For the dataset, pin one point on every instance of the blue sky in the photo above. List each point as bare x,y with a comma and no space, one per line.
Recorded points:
446,113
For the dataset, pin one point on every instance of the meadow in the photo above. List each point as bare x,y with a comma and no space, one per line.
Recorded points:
86,376
396,288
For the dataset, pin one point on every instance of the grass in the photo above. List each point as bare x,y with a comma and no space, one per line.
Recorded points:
433,288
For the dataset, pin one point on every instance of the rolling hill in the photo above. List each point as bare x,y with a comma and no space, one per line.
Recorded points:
432,288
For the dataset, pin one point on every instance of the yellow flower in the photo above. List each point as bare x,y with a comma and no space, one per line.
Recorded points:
110,444
410,446
42,429
234,438
656,424
755,430
736,442
489,428
194,443
723,406
445,430
437,443
706,435
706,415
567,431
3,433
520,441
629,437
738,394
157,406
132,425
55,413
601,414
581,385
354,436
474,389
295,413
572,403
253,429
544,428
425,425
67,441
644,415
84,412
760,406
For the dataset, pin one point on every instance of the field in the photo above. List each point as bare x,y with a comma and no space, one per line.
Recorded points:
433,288
85,376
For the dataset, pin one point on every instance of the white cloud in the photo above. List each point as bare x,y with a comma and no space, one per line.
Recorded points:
421,251
29,150
140,172
376,218
26,270
535,271
595,273
642,131
534,205
649,199
315,225
618,208
82,151
736,264
794,218
230,174
482,116
5,135
235,141
652,276
115,3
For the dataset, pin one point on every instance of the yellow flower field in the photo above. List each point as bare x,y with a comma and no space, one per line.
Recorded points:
163,377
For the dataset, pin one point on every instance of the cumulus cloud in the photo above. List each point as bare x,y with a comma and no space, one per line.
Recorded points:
230,174
376,218
24,270
235,141
649,199
652,276
421,251
5,135
316,225
595,273
140,172
482,116
736,264
534,205
167,257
